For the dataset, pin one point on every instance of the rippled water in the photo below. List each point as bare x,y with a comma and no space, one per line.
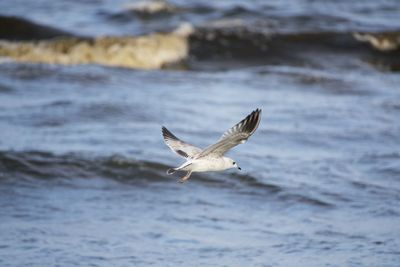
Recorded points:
82,161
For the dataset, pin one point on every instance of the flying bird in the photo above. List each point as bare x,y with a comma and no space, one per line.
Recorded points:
212,157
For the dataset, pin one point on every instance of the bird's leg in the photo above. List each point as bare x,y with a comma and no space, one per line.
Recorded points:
184,178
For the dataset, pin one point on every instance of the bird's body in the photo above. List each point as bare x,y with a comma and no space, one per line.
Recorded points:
206,164
212,158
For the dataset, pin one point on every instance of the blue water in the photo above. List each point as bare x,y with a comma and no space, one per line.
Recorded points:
82,160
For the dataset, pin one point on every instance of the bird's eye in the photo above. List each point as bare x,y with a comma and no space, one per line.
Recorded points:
234,163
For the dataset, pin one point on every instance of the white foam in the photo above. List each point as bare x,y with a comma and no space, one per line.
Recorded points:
151,7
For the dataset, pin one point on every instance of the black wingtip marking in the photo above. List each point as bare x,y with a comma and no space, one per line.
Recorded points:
167,134
251,121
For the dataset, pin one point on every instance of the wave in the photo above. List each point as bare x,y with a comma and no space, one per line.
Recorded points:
230,31
152,7
234,41
226,43
382,41
156,10
44,165
30,166
145,52
153,51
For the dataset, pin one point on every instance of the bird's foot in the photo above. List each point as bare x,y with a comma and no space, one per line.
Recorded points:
184,178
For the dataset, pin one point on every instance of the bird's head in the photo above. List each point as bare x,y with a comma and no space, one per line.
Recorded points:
232,164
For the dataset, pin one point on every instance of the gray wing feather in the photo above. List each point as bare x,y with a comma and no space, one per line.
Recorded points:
178,146
236,135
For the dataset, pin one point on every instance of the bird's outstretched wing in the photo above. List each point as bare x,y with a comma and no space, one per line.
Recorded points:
178,146
236,135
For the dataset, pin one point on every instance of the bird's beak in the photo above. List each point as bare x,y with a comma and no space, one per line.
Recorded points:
239,168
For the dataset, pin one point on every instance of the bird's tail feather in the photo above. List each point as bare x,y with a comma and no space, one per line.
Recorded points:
171,171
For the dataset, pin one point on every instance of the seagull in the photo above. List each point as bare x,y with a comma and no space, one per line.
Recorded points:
212,157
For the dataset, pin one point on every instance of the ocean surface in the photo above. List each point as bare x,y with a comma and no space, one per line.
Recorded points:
85,87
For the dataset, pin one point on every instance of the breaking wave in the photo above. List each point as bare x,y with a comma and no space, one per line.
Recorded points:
224,43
